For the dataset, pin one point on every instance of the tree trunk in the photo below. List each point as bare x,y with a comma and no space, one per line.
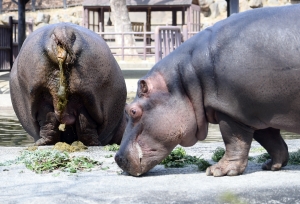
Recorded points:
122,24
65,4
33,5
0,6
21,22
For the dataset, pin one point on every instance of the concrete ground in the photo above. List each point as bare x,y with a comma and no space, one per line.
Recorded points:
159,185
108,184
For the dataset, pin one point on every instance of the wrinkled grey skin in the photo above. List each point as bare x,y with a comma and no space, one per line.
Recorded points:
243,73
94,86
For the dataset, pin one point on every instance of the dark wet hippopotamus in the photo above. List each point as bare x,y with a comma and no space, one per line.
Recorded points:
243,73
66,85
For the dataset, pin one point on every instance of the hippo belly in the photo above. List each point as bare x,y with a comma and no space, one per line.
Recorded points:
66,86
243,73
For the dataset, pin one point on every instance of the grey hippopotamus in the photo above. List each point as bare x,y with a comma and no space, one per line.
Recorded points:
243,73
66,86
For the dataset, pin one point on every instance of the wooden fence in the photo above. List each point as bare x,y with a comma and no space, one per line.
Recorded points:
165,38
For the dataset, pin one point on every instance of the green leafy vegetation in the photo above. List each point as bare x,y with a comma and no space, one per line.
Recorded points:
231,198
179,159
294,158
218,154
257,149
46,160
113,147
262,158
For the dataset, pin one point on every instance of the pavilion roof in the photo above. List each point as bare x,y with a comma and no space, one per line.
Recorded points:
130,3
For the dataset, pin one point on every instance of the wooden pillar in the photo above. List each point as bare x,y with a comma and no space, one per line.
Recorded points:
232,7
11,57
148,19
183,16
21,23
174,18
101,19
148,28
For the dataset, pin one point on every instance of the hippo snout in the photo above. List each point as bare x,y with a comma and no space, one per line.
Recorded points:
121,161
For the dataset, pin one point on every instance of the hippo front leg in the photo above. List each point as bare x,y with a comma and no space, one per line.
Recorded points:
237,138
49,132
272,141
87,129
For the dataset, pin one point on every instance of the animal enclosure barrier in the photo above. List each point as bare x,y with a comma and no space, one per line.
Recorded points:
6,46
9,43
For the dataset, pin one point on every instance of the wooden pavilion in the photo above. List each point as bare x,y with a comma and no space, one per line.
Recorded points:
94,12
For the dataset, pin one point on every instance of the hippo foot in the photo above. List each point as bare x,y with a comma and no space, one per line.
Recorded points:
272,165
226,167
43,141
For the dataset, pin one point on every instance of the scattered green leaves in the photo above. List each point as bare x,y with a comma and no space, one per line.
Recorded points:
257,149
113,147
218,154
179,159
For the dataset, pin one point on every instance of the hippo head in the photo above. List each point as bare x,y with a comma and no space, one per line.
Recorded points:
159,118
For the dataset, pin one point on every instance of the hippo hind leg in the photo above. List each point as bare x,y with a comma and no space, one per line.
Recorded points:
49,132
87,129
272,141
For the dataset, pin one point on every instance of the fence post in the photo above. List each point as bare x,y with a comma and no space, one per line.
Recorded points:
145,43
100,29
10,22
123,42
185,32
157,44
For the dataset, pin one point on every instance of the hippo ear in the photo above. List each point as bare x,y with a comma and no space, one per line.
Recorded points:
143,88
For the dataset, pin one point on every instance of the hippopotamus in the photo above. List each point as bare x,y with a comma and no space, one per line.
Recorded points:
242,73
67,86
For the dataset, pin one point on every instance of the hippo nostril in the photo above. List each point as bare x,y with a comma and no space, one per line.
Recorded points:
121,161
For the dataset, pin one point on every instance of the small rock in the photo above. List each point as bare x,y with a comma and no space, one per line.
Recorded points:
222,6
255,3
273,3
42,18
214,8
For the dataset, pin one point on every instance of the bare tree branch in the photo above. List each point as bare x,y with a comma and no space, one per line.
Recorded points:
14,1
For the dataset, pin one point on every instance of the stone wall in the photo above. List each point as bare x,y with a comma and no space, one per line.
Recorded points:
8,5
212,11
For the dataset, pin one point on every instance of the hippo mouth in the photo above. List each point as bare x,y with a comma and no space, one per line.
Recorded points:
139,160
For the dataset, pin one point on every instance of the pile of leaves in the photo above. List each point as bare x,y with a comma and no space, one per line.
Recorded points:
294,158
47,160
113,147
178,159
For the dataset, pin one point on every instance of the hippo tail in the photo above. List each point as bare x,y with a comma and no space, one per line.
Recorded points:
63,37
